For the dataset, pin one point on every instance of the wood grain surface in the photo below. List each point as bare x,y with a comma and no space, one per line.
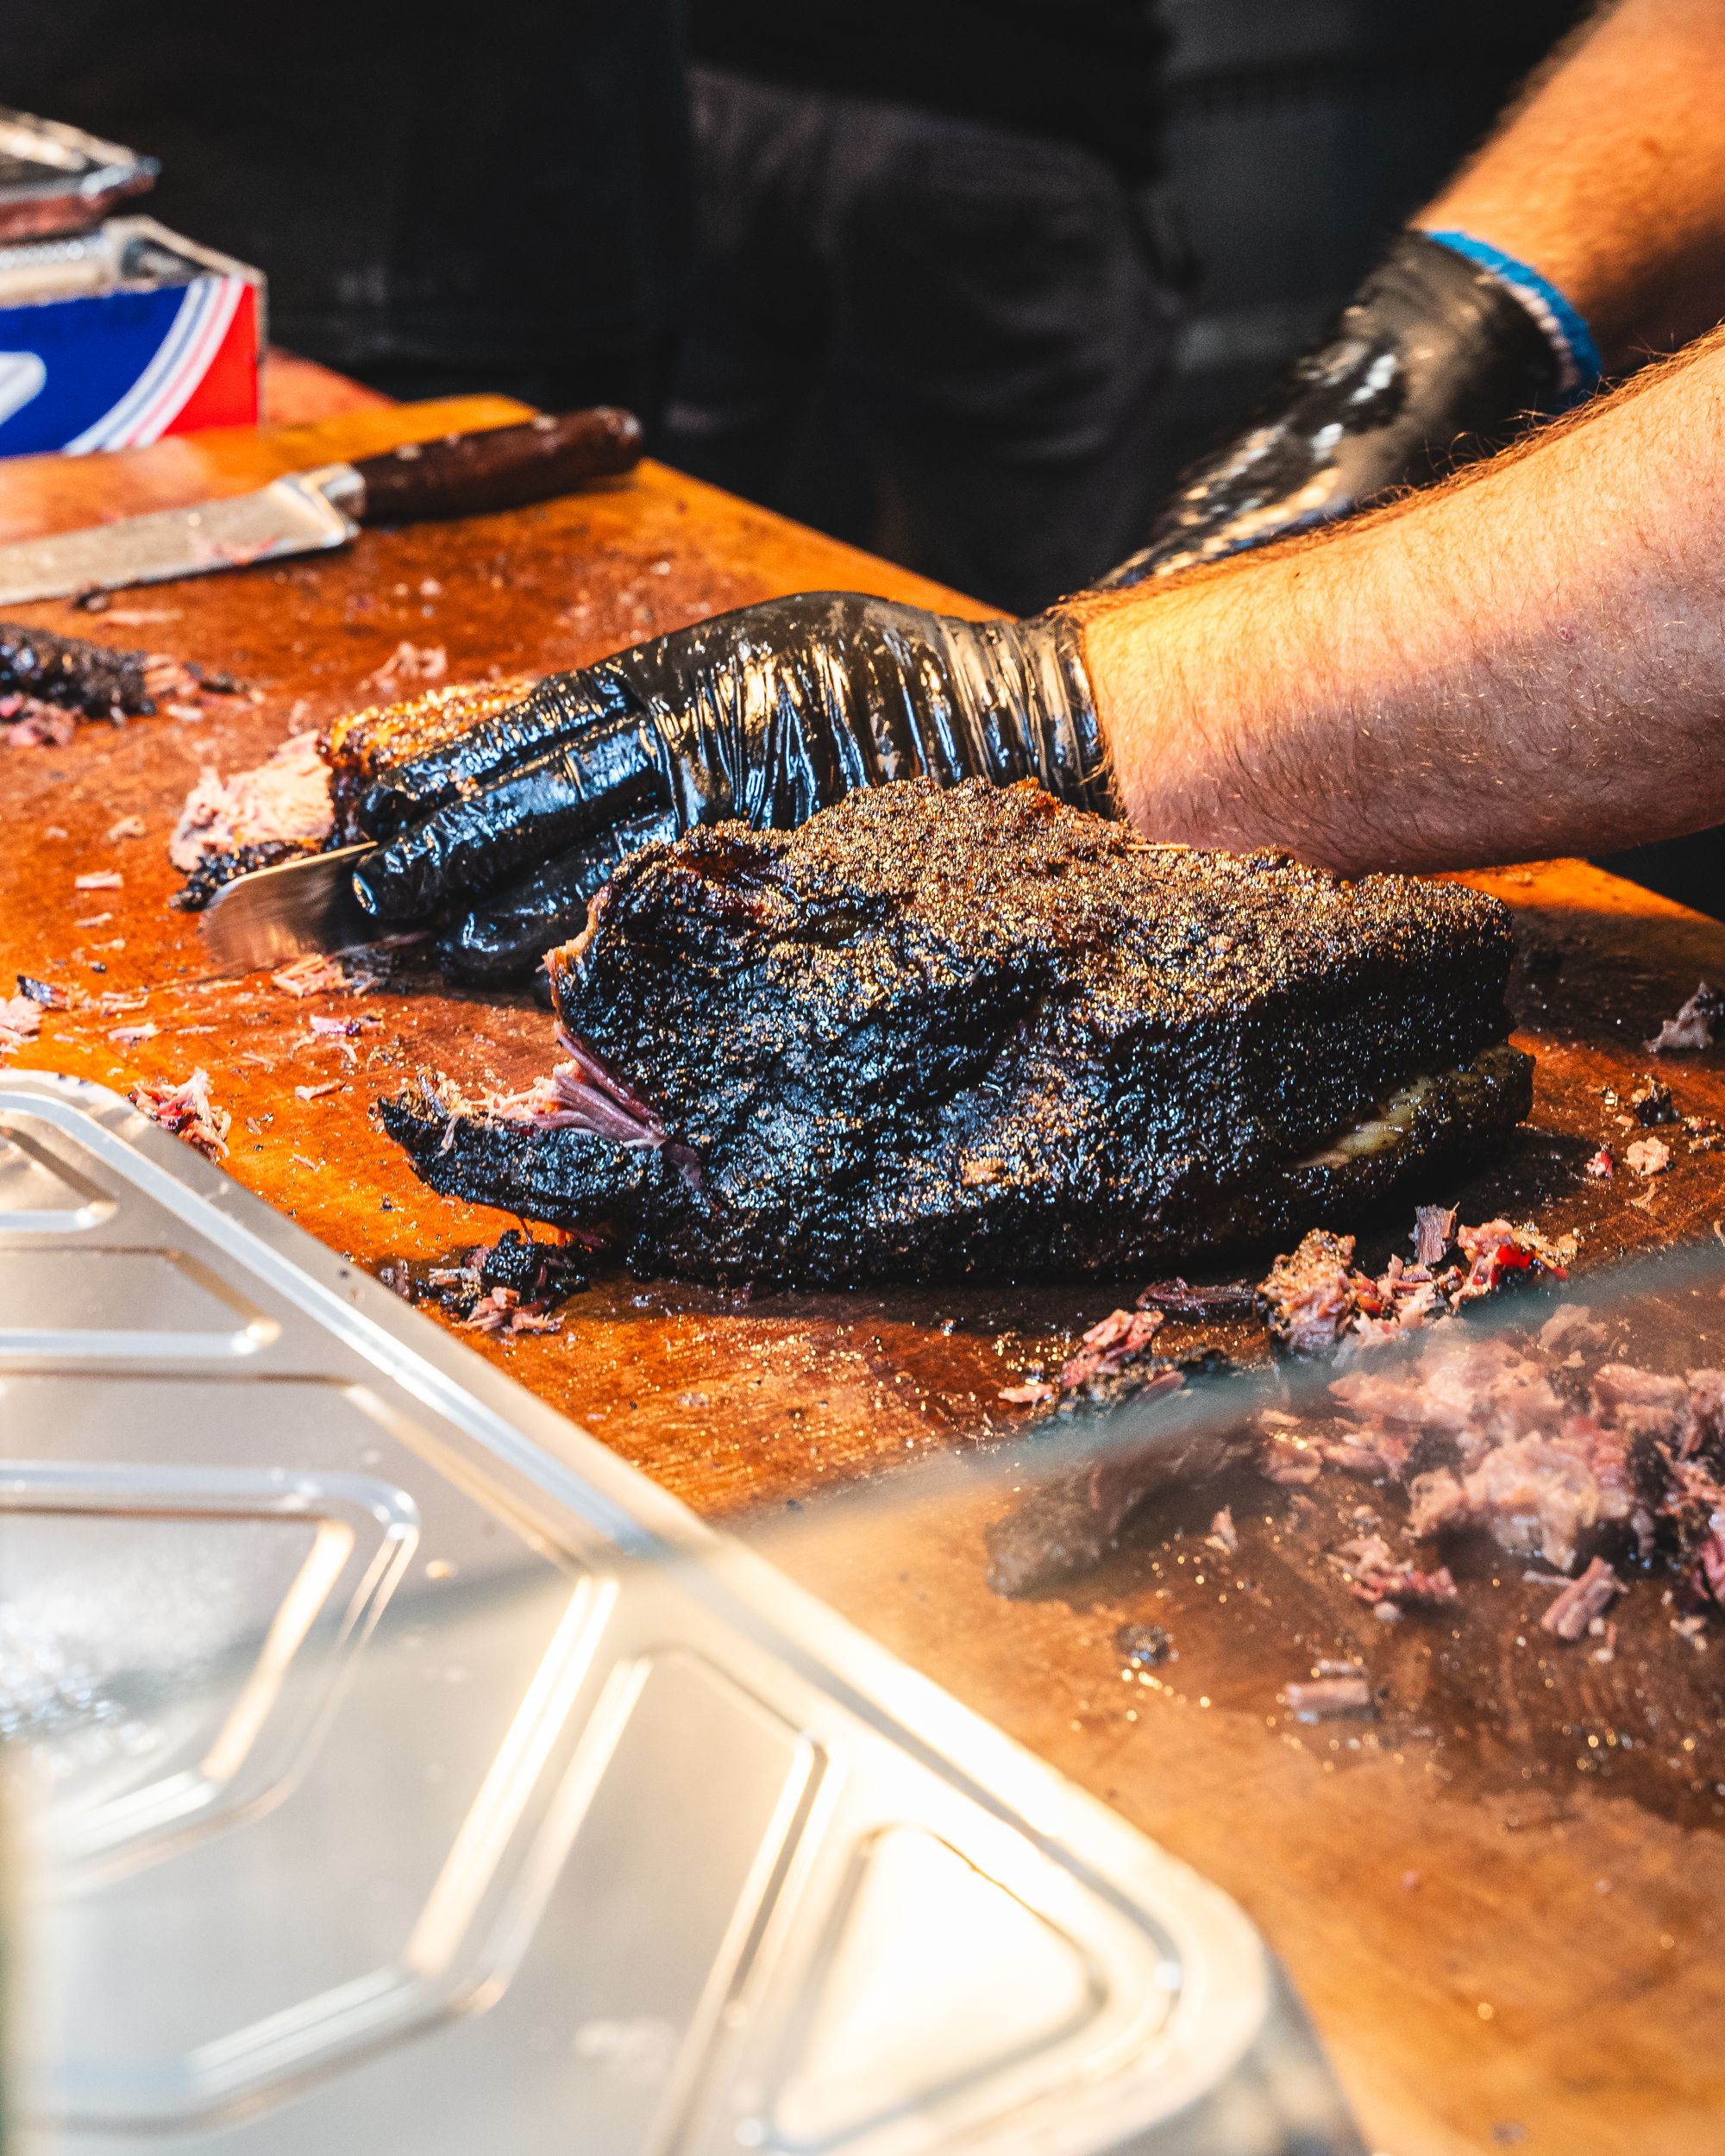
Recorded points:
1507,1932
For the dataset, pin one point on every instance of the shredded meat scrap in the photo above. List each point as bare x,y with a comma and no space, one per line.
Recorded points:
1529,1440
186,1110
1582,1600
1317,1302
1499,1436
500,1310
284,800
30,724
1375,1574
509,1287
1693,1028
356,971
21,1020
1179,1299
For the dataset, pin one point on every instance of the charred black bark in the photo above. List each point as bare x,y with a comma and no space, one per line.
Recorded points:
78,676
975,1031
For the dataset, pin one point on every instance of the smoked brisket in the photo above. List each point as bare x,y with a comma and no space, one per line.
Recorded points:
976,1032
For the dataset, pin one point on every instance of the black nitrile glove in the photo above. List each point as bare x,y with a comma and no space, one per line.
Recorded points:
1433,361
767,714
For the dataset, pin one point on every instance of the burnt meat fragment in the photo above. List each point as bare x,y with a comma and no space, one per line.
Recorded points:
536,1271
932,1033
513,1277
78,676
216,871
1216,1305
1650,1103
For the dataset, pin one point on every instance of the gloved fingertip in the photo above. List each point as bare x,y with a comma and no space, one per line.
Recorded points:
365,887
385,893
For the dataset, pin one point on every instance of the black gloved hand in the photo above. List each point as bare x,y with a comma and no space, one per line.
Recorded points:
767,714
1433,361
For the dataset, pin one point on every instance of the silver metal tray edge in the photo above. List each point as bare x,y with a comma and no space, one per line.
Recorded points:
1252,2031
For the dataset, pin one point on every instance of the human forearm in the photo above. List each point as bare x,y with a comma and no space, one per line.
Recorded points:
1529,661
1610,177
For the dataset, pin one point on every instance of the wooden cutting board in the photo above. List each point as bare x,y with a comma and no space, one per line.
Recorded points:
1502,1948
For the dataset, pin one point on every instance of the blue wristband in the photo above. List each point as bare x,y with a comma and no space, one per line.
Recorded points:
1566,331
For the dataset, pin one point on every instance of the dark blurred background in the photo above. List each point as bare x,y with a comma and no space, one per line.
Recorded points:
1262,150
966,282
443,199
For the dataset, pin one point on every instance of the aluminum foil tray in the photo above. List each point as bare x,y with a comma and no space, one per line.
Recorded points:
398,1770
55,179
122,254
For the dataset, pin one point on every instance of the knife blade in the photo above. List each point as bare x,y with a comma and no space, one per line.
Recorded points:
302,512
297,514
291,911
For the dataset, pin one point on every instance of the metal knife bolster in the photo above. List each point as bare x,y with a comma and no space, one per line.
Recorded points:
299,513
339,487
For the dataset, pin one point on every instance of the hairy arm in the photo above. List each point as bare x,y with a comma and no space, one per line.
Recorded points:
1527,661
1609,177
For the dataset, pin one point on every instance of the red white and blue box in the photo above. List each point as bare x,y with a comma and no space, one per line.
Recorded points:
115,337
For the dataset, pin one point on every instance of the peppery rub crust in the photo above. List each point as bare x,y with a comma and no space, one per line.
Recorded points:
975,1030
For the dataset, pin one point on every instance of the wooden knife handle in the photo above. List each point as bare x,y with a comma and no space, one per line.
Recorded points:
500,467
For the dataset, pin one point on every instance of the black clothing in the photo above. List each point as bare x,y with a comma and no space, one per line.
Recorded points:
1086,72
934,336
484,203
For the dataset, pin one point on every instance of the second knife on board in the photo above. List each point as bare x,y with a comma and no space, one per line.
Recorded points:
304,512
